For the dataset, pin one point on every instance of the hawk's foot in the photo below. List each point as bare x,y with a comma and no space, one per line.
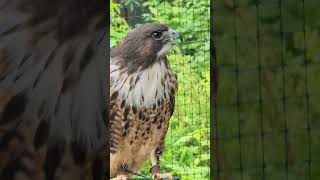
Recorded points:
155,170
120,177
164,176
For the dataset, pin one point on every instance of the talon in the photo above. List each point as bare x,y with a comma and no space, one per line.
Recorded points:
164,176
120,177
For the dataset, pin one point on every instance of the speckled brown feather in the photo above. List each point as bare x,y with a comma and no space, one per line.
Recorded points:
138,127
52,89
137,131
142,95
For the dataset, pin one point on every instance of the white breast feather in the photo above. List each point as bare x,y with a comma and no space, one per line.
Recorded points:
148,85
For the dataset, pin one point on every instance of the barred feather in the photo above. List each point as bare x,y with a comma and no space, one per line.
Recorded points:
52,84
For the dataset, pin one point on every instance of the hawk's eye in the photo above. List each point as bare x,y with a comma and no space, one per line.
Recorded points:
157,35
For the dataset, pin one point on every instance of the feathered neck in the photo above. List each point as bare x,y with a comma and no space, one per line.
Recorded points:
134,54
146,87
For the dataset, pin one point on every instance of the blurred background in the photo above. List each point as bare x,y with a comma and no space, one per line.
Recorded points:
267,118
187,148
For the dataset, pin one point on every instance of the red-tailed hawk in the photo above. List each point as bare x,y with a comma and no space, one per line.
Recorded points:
142,95
52,89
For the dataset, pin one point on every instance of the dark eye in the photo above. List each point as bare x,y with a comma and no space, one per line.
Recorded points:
157,35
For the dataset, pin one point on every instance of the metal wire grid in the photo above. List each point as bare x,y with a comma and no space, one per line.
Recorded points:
266,116
192,108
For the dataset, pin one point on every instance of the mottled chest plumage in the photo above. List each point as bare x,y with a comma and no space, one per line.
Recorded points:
142,95
139,126
141,106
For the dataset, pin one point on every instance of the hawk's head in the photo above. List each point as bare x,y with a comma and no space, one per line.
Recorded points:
144,46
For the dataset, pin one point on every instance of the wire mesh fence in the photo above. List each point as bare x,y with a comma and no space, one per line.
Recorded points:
187,147
267,113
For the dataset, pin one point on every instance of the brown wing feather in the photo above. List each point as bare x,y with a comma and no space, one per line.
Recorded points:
52,80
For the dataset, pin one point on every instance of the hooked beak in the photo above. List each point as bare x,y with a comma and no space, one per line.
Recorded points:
173,35
170,35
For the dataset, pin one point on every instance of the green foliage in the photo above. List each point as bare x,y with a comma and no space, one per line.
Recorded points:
281,83
131,4
119,27
187,149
